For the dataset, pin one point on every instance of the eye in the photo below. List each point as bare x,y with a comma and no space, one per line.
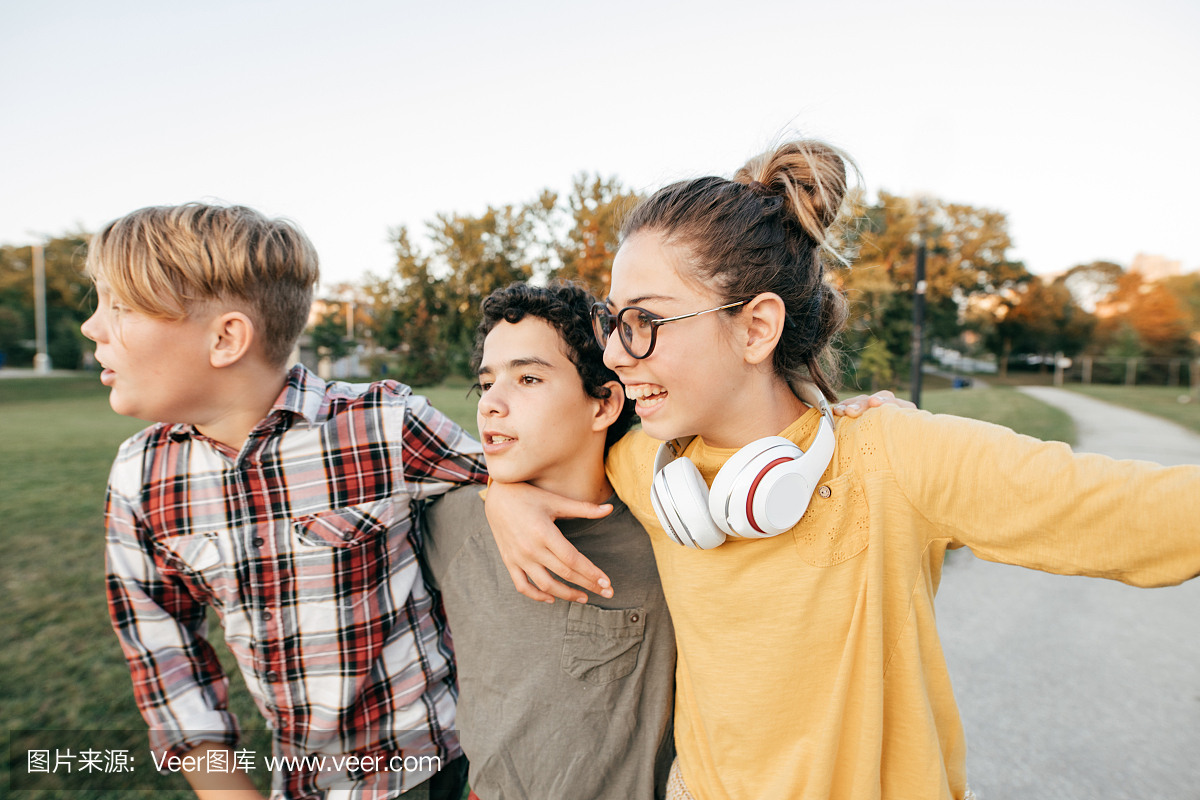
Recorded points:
643,321
478,389
530,380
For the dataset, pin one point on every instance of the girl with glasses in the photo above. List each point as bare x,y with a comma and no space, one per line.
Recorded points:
809,664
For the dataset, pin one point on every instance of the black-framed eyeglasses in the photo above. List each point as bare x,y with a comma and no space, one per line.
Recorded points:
637,327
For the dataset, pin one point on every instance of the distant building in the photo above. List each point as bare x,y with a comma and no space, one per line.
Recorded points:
1155,268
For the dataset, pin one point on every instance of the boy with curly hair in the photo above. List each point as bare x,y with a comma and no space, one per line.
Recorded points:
563,700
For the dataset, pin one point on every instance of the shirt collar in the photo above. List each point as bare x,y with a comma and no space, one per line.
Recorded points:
303,394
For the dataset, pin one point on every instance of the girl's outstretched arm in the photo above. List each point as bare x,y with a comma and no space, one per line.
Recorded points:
522,517
1015,500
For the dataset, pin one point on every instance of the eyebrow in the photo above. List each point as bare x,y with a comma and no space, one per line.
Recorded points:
517,363
641,299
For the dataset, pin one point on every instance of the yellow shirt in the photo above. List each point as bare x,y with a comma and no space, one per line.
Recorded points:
809,663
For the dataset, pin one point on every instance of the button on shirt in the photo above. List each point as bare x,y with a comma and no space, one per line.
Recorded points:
304,543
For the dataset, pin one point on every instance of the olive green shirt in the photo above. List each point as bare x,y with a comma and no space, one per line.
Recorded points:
562,700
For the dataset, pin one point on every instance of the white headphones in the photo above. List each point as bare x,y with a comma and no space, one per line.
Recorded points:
761,491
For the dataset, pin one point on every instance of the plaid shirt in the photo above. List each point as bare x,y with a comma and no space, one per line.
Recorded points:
305,545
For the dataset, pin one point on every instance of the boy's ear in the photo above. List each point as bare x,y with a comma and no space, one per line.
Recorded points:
232,334
764,318
608,408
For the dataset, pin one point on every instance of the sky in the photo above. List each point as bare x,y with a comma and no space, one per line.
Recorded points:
1078,120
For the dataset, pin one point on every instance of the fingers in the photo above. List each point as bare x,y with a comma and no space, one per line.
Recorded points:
533,574
855,406
527,587
575,567
881,397
886,398
565,508
851,408
547,585
538,557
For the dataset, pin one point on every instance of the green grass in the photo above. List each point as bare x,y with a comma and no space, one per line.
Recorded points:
60,665
455,402
1162,401
1005,407
31,390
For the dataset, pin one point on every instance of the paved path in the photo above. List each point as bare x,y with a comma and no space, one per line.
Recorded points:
1078,687
1121,433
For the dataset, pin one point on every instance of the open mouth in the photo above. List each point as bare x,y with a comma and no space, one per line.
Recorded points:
494,443
646,395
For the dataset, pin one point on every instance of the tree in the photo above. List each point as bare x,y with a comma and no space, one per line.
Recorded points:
68,299
329,334
1090,283
12,328
876,362
967,260
409,314
1036,317
597,208
478,255
1186,291
1159,320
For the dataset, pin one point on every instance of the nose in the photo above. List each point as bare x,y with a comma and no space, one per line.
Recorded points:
615,355
91,326
492,402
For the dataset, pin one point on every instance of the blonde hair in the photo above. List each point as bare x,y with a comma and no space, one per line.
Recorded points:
165,261
767,230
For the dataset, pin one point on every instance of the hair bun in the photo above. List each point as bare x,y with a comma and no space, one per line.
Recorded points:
809,174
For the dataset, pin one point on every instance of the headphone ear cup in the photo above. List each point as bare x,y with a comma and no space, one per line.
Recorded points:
780,487
738,480
680,499
781,498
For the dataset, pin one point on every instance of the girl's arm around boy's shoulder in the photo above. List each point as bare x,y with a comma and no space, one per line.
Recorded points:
1018,500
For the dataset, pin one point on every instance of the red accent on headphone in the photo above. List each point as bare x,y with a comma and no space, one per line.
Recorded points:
753,486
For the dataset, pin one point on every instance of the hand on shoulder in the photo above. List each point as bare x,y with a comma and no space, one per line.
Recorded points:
855,406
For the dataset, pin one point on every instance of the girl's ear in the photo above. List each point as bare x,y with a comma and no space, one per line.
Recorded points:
608,408
232,334
763,318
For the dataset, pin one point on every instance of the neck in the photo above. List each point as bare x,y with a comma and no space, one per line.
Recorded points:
246,399
773,407
583,479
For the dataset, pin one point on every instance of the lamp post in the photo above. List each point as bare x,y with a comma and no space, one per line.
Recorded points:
918,323
41,361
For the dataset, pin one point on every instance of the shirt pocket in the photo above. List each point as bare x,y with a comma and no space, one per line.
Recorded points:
340,556
602,644
201,560
837,525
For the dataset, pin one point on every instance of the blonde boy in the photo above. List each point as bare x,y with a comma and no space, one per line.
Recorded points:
278,499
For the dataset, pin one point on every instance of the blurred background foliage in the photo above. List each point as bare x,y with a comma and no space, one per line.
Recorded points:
416,323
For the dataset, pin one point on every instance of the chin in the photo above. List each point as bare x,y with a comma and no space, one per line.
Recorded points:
120,406
508,475
661,430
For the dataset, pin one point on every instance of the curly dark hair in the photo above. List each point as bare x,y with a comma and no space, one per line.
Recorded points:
568,307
